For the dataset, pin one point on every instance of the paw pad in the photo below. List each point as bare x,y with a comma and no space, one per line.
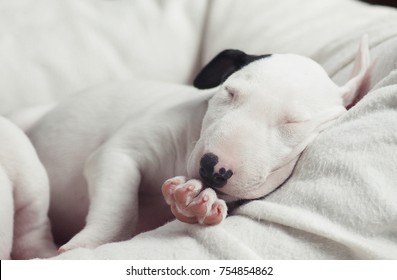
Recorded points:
192,203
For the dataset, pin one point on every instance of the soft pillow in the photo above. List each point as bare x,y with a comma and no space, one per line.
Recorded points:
51,48
327,31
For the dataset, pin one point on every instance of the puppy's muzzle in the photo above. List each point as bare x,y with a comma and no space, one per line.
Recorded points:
208,174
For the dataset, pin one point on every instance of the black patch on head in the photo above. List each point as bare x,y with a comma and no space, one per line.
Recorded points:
222,66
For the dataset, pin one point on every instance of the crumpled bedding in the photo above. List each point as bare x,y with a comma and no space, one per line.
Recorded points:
340,202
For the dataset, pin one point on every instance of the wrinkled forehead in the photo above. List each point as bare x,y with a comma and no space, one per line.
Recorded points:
285,85
281,74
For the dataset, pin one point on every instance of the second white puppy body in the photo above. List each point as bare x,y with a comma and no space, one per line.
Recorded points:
24,198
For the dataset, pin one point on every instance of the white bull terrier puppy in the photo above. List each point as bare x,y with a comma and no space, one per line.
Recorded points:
108,152
24,198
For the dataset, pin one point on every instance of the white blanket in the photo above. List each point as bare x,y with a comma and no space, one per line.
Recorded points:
341,201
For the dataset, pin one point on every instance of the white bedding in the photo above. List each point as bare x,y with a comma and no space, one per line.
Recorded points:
341,201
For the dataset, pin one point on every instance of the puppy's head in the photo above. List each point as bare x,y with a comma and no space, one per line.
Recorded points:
265,112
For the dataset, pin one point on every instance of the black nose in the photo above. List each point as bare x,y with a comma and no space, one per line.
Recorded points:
207,168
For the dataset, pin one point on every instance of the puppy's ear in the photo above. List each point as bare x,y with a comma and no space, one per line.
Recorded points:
222,66
358,85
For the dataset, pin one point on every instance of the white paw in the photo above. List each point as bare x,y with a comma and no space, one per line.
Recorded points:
191,203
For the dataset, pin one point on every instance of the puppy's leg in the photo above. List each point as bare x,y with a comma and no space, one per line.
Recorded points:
6,216
113,184
32,231
191,203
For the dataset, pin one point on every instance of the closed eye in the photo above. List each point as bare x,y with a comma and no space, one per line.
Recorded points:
296,118
232,92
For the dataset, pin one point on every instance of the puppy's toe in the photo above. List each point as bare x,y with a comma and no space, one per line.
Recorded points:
217,213
65,248
200,206
184,194
168,187
75,244
86,238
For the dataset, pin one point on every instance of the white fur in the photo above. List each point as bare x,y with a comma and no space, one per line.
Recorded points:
24,198
107,149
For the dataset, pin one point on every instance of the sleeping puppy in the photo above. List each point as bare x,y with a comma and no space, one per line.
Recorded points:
24,198
108,151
